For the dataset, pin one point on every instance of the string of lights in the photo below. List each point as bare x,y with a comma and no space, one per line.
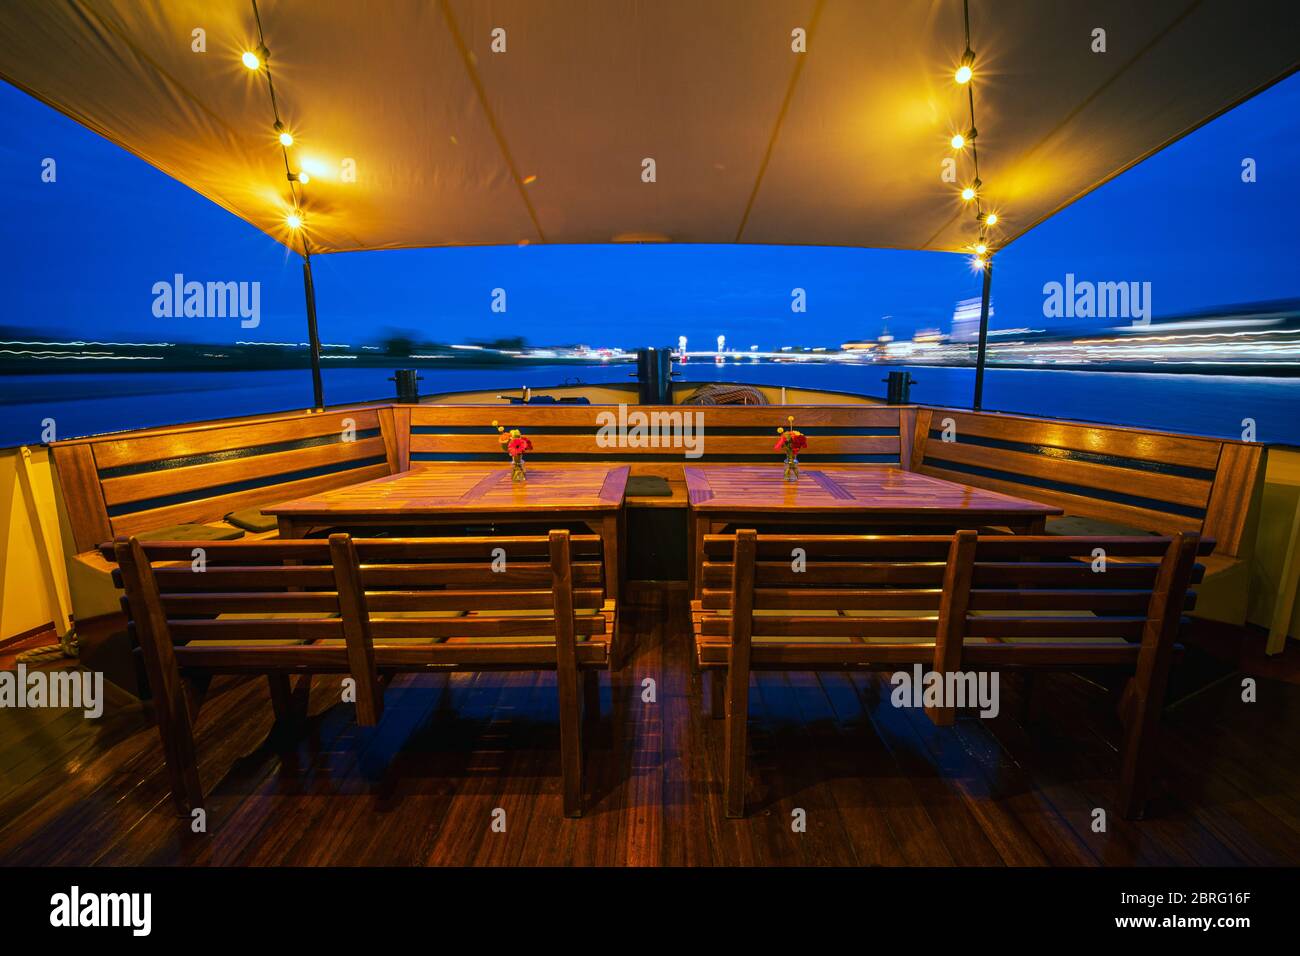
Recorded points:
972,191
259,60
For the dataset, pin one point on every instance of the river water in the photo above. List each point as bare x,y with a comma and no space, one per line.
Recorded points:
94,402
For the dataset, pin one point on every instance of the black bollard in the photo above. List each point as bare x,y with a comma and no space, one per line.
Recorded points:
899,388
408,392
654,369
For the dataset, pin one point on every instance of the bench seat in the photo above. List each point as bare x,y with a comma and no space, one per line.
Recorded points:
1037,606
1113,480
230,619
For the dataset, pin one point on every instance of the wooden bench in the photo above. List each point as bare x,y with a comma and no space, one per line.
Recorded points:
1129,478
950,603
368,608
1112,480
842,434
145,481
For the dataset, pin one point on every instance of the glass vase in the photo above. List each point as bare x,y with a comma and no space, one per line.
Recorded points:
791,467
517,469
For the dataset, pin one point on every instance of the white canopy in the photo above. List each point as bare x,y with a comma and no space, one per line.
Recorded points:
751,141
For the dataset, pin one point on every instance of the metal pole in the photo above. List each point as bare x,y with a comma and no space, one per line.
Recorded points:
318,391
978,403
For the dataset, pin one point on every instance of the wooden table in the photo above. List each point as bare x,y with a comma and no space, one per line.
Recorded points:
722,495
443,494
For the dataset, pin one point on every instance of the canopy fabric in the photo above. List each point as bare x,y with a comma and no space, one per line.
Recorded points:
842,145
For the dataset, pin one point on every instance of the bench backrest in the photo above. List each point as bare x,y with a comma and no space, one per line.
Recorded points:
1156,481
359,603
836,433
856,599
124,484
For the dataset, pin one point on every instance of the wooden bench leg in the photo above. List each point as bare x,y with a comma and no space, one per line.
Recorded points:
290,701
1144,697
176,728
1141,742
952,618
590,696
717,694
1029,700
281,696
737,740
570,742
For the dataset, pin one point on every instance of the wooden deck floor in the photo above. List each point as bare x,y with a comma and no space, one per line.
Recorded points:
879,785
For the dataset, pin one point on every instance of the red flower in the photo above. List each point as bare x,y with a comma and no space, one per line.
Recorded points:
794,440
518,446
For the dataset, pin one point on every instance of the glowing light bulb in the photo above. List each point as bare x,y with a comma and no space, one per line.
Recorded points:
981,249
304,178
293,220
991,219
977,263
958,141
286,138
251,60
968,194
966,70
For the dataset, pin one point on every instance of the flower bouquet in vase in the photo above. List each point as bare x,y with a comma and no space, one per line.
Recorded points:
791,442
515,443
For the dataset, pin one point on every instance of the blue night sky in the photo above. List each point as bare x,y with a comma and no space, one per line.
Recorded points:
83,254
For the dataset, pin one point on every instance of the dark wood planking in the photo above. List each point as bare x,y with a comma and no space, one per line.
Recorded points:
420,787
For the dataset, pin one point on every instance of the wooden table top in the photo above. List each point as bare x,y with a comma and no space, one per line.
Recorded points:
877,490
437,488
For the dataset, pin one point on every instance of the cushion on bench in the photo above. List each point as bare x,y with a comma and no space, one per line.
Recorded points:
252,519
191,532
1066,525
